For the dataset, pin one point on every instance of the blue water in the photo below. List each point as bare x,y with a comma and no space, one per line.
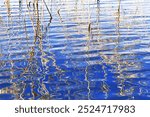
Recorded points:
89,49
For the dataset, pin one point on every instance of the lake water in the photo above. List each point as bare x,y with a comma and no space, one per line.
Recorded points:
90,49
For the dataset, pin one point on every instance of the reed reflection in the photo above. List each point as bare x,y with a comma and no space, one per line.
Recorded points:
70,50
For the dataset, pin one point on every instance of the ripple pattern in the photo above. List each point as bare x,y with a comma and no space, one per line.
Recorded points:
74,49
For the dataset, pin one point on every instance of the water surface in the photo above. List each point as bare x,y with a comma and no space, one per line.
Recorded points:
90,49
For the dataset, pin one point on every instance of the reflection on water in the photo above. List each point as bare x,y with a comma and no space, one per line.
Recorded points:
74,49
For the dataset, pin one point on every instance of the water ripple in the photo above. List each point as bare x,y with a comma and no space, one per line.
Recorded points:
88,50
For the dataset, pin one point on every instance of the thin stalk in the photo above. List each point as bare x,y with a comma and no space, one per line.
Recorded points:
48,10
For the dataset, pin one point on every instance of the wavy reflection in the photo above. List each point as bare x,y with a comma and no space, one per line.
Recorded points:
70,49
